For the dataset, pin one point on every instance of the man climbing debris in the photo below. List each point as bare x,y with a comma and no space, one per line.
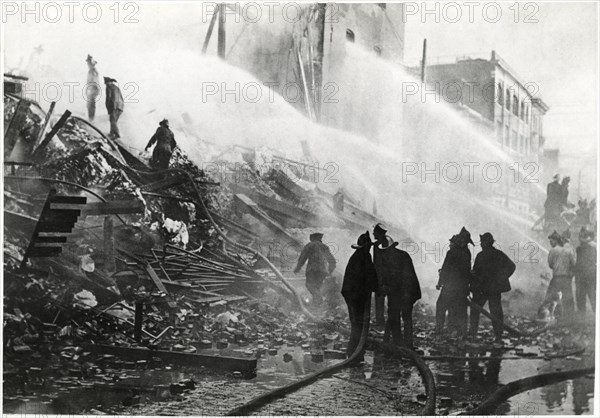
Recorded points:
585,271
165,145
360,280
562,262
398,281
321,264
114,105
92,88
491,272
454,281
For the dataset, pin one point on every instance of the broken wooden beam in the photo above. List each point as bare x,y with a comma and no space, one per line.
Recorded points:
225,363
161,184
57,126
250,206
280,207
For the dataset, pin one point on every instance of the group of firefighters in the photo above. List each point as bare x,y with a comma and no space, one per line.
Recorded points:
163,137
390,274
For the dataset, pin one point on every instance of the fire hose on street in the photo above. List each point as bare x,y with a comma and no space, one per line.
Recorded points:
256,403
514,388
508,328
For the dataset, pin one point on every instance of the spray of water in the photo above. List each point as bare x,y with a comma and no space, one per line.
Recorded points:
387,133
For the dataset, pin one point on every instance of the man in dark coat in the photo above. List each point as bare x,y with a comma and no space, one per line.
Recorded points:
321,264
114,105
552,205
398,281
585,271
454,281
165,145
360,280
379,233
491,271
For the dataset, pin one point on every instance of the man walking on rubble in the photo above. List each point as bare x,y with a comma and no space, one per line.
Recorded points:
562,262
360,280
92,87
491,271
321,264
114,106
585,271
165,145
398,281
454,281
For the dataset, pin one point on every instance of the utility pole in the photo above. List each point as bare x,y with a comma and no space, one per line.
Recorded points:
424,61
211,26
221,32
579,185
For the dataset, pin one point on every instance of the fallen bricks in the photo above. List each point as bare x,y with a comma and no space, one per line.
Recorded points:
243,365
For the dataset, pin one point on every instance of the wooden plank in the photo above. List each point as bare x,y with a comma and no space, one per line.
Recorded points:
280,207
113,207
247,366
44,125
254,210
161,184
72,200
43,252
50,135
159,284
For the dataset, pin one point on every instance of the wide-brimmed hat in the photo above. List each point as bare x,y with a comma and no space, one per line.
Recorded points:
555,236
108,80
466,235
556,176
164,122
488,237
315,236
388,242
364,240
379,227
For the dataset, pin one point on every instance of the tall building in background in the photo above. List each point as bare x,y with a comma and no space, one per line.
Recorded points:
491,94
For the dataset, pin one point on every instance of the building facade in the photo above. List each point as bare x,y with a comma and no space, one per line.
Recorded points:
513,116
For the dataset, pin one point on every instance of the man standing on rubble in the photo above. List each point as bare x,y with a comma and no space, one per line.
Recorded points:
321,264
585,271
491,271
562,262
114,105
552,205
92,88
398,281
454,281
165,145
360,280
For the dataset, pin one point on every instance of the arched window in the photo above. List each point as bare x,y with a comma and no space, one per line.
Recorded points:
349,35
515,109
500,97
377,50
507,99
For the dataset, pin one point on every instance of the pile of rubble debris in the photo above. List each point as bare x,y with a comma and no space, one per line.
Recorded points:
141,265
